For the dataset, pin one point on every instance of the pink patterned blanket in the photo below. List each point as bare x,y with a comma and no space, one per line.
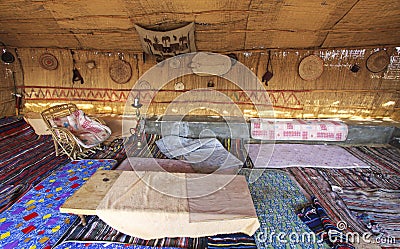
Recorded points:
88,132
298,129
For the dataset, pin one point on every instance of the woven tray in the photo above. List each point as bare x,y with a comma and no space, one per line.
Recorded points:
120,71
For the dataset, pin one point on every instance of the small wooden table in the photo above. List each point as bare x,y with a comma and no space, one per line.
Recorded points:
200,204
86,199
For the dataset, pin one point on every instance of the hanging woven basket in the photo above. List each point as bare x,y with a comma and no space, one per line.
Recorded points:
311,67
120,71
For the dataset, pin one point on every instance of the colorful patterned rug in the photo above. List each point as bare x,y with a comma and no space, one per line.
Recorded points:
34,221
6,120
276,198
76,245
384,158
315,217
25,159
378,210
113,150
302,155
340,191
97,231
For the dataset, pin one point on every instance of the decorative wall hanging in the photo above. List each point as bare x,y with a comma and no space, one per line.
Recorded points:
7,57
164,44
91,64
355,68
378,61
179,86
311,67
268,71
204,64
120,71
76,75
48,61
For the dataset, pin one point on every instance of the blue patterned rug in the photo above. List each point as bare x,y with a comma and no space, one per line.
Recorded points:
35,221
276,198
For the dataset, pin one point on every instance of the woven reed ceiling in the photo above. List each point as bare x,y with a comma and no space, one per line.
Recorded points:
221,25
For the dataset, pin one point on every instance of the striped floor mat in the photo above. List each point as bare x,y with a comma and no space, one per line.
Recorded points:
25,159
363,198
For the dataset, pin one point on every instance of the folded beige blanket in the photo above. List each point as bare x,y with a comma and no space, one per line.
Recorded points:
153,205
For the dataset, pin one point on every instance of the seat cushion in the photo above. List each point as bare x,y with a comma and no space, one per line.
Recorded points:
88,133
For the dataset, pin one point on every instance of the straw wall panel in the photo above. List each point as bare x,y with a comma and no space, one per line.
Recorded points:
216,20
266,39
188,6
10,78
31,26
337,93
110,41
96,23
363,38
278,24
221,41
221,21
294,15
20,9
361,17
99,93
77,8
41,40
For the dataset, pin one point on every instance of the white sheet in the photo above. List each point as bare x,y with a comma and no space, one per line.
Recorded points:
139,207
205,155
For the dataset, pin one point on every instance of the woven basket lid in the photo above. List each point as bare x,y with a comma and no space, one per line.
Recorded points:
48,61
378,61
120,71
311,67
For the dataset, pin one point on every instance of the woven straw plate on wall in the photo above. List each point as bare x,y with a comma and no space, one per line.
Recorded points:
378,61
48,61
311,67
120,71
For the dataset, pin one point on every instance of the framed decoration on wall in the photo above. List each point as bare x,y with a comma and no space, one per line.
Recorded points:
164,44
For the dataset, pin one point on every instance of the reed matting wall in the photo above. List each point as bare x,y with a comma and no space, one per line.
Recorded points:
10,81
337,93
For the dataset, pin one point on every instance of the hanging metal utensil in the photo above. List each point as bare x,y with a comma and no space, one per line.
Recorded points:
7,57
76,75
269,73
18,97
